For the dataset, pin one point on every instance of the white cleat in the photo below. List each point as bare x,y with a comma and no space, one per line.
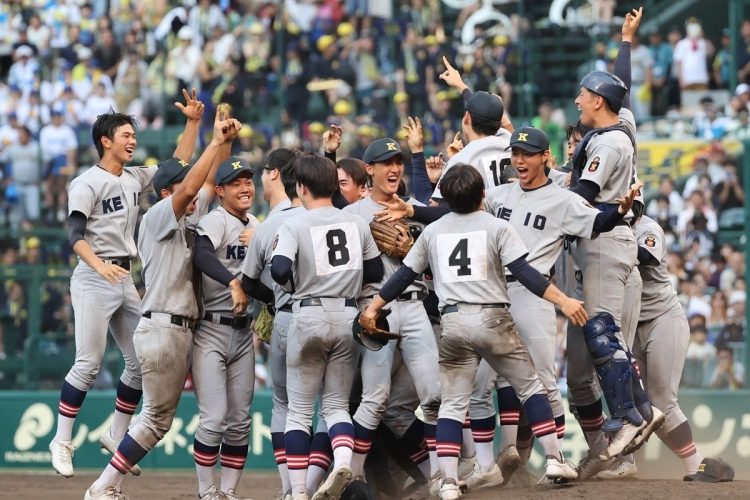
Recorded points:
334,484
591,466
62,457
110,493
435,484
232,495
478,479
466,467
620,468
640,439
558,471
449,490
622,438
212,494
509,460
110,444
299,496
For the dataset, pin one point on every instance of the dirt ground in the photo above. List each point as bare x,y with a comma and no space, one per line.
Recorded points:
263,486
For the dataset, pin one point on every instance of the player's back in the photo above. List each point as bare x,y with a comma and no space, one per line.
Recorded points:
467,253
329,252
658,293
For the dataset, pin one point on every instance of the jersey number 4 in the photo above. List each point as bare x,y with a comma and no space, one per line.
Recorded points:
459,257
338,254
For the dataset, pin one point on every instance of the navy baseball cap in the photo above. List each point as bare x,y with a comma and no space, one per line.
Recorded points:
169,172
485,105
382,150
232,168
530,139
712,470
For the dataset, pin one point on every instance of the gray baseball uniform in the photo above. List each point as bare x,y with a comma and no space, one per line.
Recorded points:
542,217
487,154
110,204
223,355
467,253
663,333
163,340
257,265
418,346
607,261
327,248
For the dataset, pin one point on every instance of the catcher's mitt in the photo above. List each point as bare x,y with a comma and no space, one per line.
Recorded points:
393,238
373,334
264,324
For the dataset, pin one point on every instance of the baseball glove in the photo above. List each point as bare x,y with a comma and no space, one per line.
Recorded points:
373,334
393,238
264,324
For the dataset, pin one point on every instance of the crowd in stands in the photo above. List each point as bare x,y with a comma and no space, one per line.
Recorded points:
364,66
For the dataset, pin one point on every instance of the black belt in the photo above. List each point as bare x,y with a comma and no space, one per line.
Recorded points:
409,296
286,308
177,320
454,307
236,322
318,302
123,262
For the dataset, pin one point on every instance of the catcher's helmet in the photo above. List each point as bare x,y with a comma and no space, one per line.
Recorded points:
369,341
607,85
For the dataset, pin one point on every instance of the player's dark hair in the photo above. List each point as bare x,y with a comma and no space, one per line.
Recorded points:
483,125
280,157
354,168
577,129
318,174
106,125
462,187
289,176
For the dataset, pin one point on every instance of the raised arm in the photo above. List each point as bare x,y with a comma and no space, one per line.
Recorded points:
193,111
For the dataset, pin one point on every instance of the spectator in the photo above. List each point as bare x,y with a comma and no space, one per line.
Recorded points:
697,205
23,165
32,113
741,130
718,318
9,131
691,56
32,252
59,156
729,193
743,52
23,72
675,203
734,271
642,65
183,60
554,131
729,374
131,83
108,53
722,63
699,347
701,167
203,18
98,103
38,33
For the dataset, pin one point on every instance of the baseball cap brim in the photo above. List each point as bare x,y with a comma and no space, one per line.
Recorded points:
529,148
236,173
387,156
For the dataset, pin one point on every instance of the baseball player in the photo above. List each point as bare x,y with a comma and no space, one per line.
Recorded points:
223,364
418,347
543,214
322,257
603,165
660,345
467,250
279,189
103,205
163,339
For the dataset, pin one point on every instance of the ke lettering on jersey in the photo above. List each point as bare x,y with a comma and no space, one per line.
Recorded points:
236,252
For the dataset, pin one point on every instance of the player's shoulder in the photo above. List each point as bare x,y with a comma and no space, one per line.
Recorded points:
647,225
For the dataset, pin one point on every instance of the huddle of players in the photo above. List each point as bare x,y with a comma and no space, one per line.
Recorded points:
318,265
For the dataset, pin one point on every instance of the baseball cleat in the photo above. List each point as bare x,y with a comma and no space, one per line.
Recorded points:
62,457
334,484
212,494
620,468
622,438
110,444
645,433
435,484
559,471
466,467
591,466
509,460
110,493
449,490
299,496
230,494
478,479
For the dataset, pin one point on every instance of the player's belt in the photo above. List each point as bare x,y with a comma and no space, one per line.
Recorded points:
455,307
286,308
173,318
236,322
409,296
123,262
318,302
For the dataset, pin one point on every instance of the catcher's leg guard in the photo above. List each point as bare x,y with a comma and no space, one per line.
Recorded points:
614,371
640,396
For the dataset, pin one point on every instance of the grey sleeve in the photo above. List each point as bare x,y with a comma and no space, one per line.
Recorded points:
161,221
